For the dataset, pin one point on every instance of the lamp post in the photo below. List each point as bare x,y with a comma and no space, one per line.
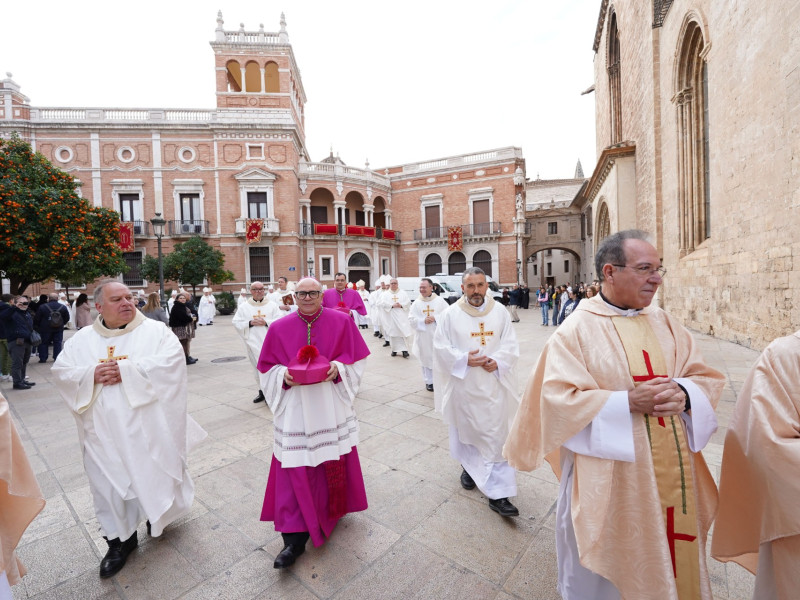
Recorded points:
310,266
519,271
158,229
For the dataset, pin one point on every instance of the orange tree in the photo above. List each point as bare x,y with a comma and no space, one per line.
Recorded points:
47,231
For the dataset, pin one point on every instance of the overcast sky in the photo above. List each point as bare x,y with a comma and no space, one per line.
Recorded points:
392,82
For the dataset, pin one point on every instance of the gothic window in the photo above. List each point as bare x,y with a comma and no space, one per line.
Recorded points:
234,76
483,260
433,264
252,77
614,85
456,263
603,224
691,99
271,78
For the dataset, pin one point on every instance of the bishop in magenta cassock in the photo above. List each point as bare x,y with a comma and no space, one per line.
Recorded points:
315,476
342,298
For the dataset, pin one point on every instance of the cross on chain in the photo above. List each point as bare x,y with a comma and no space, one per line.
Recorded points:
650,375
672,536
428,311
111,356
481,334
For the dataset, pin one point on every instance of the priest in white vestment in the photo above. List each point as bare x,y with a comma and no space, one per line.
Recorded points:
124,379
475,352
395,305
242,298
207,308
425,311
375,312
620,404
362,320
277,296
251,321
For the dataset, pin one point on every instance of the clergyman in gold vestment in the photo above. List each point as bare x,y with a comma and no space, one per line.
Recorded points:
620,404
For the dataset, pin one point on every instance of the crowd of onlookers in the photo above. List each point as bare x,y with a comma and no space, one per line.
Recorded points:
562,300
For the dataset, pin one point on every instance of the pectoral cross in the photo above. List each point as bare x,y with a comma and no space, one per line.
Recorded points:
481,334
394,298
650,375
111,356
428,311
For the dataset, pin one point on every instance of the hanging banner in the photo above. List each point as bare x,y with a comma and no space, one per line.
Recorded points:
455,239
253,229
126,236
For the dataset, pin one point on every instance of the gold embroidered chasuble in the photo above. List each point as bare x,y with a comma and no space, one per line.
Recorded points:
613,500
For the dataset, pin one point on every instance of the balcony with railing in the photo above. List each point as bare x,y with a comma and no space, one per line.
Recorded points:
140,228
320,171
349,231
471,231
271,227
187,228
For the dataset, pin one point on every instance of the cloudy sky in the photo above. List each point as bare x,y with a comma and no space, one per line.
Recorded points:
392,82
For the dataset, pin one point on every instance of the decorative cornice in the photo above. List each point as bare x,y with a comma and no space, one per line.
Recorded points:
603,168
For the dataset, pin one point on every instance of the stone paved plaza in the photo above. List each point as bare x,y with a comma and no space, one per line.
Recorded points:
423,536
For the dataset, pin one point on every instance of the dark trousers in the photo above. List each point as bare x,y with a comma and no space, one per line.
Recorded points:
50,335
20,355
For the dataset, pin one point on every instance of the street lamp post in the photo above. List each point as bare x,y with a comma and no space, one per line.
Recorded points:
158,228
310,267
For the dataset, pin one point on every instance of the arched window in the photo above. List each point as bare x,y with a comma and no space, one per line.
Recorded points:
691,99
359,259
252,77
614,84
234,76
482,259
456,263
603,225
433,264
271,77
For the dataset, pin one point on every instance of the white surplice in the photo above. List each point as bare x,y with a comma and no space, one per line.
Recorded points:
206,309
479,406
375,313
396,327
433,306
136,434
254,336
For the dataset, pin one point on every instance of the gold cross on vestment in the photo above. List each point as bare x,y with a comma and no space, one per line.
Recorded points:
427,311
258,315
111,356
395,299
481,334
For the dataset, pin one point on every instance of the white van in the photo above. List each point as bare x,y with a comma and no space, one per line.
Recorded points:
410,285
454,282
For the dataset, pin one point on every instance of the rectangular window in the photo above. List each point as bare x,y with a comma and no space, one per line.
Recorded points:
127,204
535,269
552,228
190,207
549,268
480,217
326,266
384,266
319,214
432,222
257,205
134,275
548,252
259,264
566,266
360,219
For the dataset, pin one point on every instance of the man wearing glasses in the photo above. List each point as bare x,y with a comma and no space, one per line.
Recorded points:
19,327
620,404
312,363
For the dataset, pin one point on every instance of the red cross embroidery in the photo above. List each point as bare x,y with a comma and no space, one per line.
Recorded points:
672,536
650,375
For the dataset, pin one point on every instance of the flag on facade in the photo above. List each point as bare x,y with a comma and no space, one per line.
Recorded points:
455,239
126,236
253,229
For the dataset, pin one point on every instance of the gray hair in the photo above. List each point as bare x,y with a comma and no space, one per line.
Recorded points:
611,250
98,291
472,271
52,297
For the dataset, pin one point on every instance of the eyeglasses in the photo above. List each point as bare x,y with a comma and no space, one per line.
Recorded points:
644,271
303,295
22,304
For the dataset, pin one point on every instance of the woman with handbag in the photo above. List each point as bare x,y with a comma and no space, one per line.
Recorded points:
181,321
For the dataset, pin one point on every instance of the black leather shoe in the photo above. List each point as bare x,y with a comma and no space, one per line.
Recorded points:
376,334
30,383
394,353
429,387
190,360
386,343
405,354
21,386
259,398
117,554
503,507
466,481
287,556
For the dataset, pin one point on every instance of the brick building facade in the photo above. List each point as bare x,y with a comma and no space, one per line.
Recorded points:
207,171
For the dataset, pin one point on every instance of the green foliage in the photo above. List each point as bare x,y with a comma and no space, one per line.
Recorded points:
189,263
226,301
47,231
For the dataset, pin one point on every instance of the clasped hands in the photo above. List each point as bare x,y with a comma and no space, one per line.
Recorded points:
476,360
333,373
107,373
258,322
660,397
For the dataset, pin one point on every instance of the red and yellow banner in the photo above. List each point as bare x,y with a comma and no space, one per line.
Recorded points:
455,238
253,229
126,236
